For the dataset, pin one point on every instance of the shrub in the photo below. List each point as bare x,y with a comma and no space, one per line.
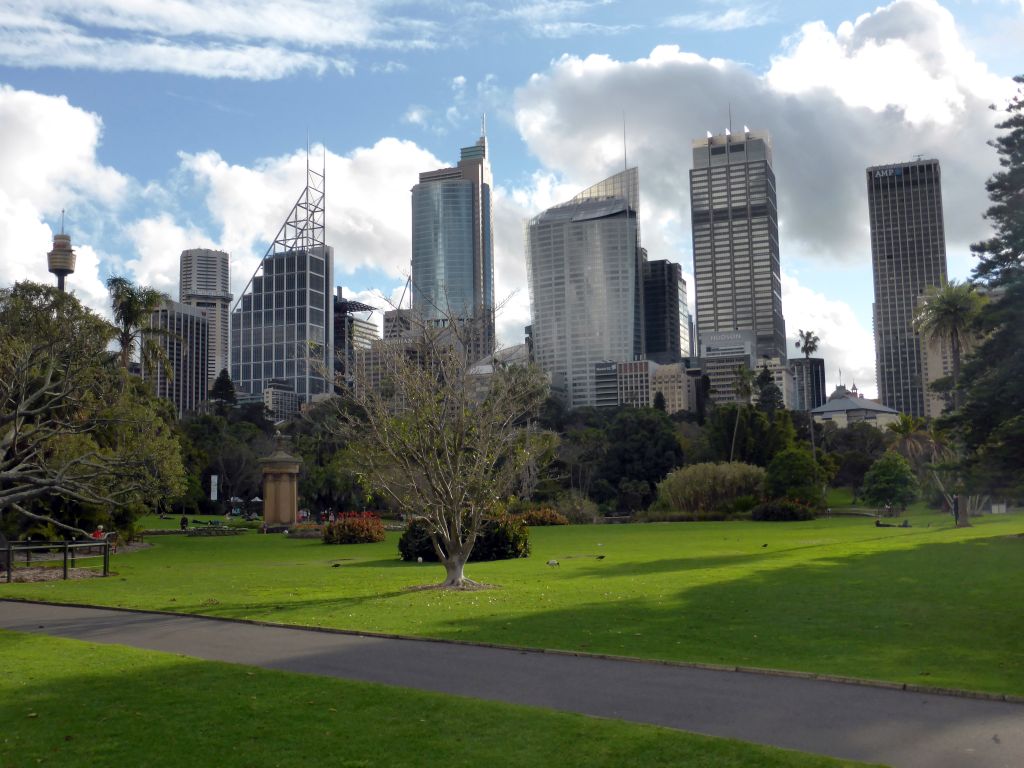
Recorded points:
502,537
706,489
576,507
780,510
792,475
890,481
354,528
543,516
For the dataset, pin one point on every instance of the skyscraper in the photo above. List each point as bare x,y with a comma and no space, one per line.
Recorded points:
205,283
666,316
282,326
350,333
453,245
185,344
736,241
585,270
908,256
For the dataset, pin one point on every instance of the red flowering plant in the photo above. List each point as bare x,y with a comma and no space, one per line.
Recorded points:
354,528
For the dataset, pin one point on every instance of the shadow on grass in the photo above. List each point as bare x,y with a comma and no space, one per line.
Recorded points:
79,704
938,614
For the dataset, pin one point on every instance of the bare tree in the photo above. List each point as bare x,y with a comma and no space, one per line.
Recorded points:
445,442
71,424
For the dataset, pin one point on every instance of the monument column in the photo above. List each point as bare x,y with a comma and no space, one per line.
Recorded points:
280,486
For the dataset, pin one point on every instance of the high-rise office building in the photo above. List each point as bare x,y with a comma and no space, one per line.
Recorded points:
585,270
908,256
205,283
808,382
184,341
453,245
350,333
282,327
666,314
736,241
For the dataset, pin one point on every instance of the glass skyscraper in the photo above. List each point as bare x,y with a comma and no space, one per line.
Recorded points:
585,269
453,245
908,256
282,327
736,241
185,345
666,316
206,283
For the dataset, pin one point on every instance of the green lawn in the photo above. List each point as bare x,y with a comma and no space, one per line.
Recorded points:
69,703
928,604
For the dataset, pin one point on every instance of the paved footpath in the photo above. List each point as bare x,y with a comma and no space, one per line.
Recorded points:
857,722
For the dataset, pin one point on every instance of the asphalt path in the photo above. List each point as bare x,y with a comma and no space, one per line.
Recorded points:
878,725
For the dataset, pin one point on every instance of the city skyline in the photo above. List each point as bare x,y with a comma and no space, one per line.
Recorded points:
148,159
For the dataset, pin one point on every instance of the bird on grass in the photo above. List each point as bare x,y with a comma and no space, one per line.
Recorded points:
763,546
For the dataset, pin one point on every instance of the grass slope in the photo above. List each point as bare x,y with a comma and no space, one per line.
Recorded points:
70,703
928,604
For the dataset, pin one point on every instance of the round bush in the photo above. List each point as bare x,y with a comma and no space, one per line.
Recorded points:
711,489
500,538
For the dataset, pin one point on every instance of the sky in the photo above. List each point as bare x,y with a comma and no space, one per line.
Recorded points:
160,125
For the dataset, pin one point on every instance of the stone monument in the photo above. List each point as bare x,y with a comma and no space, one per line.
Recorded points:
280,486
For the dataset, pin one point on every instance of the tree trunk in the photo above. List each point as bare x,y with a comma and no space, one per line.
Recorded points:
454,567
955,344
735,428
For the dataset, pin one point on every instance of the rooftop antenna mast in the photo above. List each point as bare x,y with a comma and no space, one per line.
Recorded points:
730,118
483,125
625,163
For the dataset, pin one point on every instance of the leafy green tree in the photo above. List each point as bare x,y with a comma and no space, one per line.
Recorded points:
744,385
642,448
71,424
793,475
133,306
947,314
890,481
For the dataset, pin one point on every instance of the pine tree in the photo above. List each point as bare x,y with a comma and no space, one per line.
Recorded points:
223,389
990,423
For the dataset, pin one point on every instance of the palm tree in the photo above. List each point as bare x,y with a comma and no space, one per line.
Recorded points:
744,385
133,306
912,441
807,342
946,314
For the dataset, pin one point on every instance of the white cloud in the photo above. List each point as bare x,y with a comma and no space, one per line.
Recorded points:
367,217
416,115
48,162
908,55
726,21
226,38
846,345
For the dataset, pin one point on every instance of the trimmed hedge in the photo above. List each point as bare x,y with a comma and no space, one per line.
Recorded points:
503,537
781,510
354,528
